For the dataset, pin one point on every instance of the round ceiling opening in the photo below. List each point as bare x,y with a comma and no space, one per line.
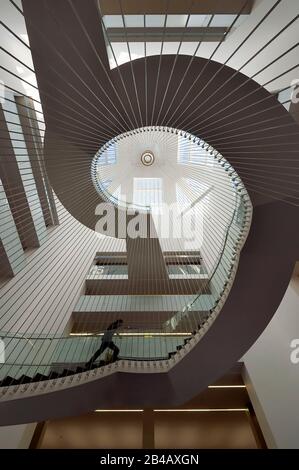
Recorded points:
152,167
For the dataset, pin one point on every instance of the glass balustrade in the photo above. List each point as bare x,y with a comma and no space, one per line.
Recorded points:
184,269
101,271
28,356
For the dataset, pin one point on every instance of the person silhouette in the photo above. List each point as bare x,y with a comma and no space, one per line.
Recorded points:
107,343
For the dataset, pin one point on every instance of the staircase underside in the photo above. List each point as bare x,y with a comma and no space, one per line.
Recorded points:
257,291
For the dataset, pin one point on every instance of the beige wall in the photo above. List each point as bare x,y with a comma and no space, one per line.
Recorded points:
16,437
273,378
181,430
166,429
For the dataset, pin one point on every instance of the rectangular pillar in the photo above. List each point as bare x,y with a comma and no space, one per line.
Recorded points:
12,258
17,178
28,120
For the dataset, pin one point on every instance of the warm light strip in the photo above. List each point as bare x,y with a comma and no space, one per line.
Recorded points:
193,410
200,410
227,386
118,411
133,334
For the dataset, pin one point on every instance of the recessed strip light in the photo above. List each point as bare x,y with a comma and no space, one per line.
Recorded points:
187,410
227,386
118,411
134,334
200,410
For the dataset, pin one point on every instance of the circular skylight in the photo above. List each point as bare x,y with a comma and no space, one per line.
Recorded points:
151,166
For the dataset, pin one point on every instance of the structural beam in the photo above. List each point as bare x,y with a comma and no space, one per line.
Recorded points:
166,34
179,7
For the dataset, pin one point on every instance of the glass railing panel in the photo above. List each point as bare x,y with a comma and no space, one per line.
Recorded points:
185,269
112,270
56,354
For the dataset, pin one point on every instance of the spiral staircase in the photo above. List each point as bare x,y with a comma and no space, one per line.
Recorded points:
225,116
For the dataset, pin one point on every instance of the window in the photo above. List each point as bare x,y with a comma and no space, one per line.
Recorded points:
105,184
108,157
147,191
190,152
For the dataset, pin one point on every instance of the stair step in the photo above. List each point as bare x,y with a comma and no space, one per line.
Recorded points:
24,379
8,381
66,372
38,377
53,375
96,365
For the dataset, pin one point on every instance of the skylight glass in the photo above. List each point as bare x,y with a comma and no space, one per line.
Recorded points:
137,49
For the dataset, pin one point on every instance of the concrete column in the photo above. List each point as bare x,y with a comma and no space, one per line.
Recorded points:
145,258
34,147
14,189
148,429
12,258
24,169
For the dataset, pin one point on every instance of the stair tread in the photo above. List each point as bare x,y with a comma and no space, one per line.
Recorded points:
53,375
24,379
8,381
39,378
